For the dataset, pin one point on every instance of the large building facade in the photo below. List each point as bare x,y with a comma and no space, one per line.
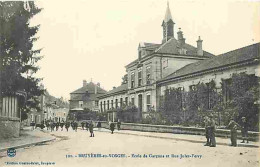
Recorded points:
154,63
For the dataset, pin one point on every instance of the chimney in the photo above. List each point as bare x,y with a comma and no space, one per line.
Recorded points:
180,37
84,83
199,47
114,87
98,84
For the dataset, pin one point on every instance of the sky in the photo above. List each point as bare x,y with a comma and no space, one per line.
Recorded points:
96,39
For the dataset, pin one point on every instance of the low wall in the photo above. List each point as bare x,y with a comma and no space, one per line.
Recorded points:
253,136
9,127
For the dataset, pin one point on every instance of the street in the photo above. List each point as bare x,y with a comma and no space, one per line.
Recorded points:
78,149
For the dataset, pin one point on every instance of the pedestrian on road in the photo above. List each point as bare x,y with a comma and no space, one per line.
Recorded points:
57,125
207,129
32,124
76,126
212,129
48,124
62,124
233,126
67,125
118,125
112,127
99,125
91,129
82,125
244,130
72,124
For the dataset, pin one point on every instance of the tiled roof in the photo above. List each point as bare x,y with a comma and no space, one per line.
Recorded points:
236,56
90,87
115,90
172,46
85,97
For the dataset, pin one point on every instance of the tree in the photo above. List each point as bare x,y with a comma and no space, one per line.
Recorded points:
17,57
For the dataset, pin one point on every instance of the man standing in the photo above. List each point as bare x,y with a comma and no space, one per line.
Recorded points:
67,125
76,126
244,130
233,132
112,127
82,125
207,133
91,129
212,128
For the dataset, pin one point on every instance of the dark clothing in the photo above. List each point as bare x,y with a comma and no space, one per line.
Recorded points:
112,127
207,133
91,129
83,125
211,130
75,126
67,125
244,130
233,132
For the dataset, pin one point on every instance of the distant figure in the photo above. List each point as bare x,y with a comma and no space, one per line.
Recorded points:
112,127
87,126
72,124
207,133
62,124
233,126
48,124
244,130
53,124
67,125
91,129
99,125
118,125
57,126
212,129
82,125
75,126
32,124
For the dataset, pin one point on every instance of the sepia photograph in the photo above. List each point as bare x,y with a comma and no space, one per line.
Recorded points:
124,83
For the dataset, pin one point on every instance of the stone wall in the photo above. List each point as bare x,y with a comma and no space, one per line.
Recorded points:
9,127
253,136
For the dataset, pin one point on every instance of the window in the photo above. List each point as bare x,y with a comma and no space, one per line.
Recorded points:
80,104
133,101
101,107
96,103
132,80
126,101
148,75
148,102
116,103
104,105
140,77
165,63
108,104
121,102
112,104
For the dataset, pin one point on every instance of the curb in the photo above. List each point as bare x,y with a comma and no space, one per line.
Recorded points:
178,139
26,145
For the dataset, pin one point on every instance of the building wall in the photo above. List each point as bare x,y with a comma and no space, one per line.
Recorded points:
216,76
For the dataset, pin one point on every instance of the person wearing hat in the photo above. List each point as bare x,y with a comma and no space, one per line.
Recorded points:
206,121
233,126
212,129
244,130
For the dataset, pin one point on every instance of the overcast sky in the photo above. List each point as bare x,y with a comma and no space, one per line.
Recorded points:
84,39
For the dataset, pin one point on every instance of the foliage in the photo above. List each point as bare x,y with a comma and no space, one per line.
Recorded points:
18,58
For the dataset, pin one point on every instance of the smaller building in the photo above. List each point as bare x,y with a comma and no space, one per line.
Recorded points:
113,99
86,97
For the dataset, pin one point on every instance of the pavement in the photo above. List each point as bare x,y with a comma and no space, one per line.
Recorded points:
27,138
123,148
30,137
182,137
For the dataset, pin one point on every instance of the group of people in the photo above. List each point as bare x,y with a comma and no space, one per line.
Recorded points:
210,128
